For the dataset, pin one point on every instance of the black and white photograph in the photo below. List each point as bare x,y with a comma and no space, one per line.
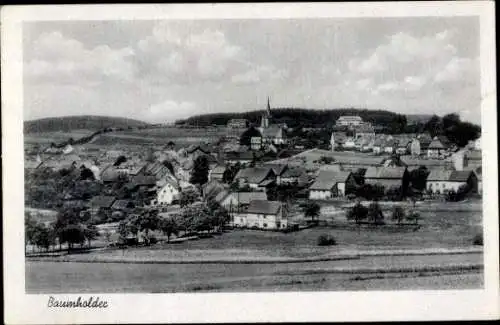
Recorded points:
253,155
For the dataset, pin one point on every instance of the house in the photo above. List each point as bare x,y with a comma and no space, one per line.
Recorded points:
110,174
256,143
167,192
293,176
388,146
330,184
237,123
367,145
348,120
436,148
100,204
217,173
122,205
402,147
278,170
442,181
389,177
256,177
377,146
242,157
238,201
350,143
364,130
263,214
273,135
473,158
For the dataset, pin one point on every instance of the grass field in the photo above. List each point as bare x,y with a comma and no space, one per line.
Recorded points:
53,277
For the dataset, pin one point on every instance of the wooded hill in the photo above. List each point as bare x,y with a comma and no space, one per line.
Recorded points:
295,117
84,122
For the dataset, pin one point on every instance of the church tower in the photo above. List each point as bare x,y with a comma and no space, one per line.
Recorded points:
332,142
264,123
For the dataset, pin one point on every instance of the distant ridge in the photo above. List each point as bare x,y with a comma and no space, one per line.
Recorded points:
87,122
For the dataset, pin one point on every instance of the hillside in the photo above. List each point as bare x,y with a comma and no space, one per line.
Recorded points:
87,122
418,118
295,117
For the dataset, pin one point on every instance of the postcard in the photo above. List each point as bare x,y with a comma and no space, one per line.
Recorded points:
250,162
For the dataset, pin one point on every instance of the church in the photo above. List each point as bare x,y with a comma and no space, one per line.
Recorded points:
269,133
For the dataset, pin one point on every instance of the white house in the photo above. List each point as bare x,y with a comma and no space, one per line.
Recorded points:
329,184
436,149
349,120
442,181
263,214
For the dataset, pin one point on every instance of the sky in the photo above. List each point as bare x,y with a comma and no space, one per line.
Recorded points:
161,71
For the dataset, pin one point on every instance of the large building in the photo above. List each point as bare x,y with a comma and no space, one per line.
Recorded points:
349,120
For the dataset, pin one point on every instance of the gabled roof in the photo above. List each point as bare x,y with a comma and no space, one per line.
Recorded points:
247,197
122,204
219,170
326,180
460,176
221,196
474,155
254,175
271,132
410,161
264,207
439,175
385,172
278,169
144,180
436,144
110,174
293,172
102,201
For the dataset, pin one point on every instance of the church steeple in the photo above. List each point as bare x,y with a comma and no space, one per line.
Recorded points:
268,108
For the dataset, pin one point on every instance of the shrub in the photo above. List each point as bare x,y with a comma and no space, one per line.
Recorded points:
326,240
478,240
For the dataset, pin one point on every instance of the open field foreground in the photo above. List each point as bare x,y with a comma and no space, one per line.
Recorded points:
458,271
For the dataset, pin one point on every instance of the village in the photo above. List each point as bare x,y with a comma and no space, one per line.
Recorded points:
258,179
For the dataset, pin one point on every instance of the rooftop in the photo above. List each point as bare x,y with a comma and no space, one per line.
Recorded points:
264,207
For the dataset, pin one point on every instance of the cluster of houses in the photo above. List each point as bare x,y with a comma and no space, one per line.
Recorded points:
163,173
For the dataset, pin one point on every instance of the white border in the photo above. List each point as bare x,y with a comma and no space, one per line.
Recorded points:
242,307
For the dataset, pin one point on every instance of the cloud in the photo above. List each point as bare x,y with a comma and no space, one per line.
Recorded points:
257,74
457,69
172,53
62,60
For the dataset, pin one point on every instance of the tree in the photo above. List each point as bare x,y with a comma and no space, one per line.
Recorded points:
434,126
398,214
358,213
187,197
199,175
149,221
311,210
246,137
86,174
123,231
72,234
90,232
418,178
169,227
375,214
120,160
450,120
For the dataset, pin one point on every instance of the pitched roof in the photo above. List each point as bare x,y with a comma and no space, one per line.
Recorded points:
293,172
221,196
439,175
254,175
102,201
278,169
326,180
460,176
264,207
410,161
247,197
436,144
385,172
271,132
144,180
219,170
110,174
121,204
